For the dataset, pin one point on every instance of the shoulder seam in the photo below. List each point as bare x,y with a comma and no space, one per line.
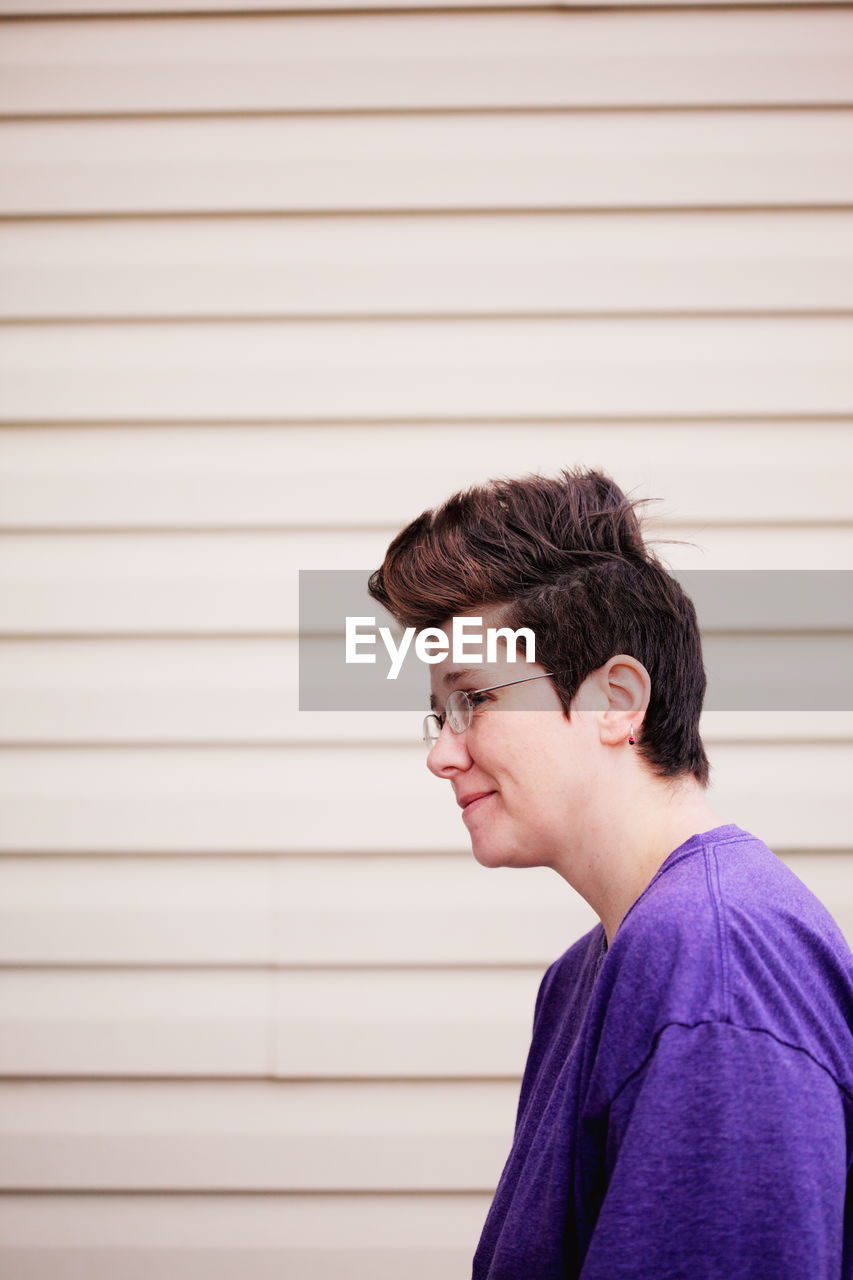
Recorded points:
736,1026
712,875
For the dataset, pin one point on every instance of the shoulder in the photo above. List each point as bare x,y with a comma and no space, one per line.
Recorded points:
730,934
736,903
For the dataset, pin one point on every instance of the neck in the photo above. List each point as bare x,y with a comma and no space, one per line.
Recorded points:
624,844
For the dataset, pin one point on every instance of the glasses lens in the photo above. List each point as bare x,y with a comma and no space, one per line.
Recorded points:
458,711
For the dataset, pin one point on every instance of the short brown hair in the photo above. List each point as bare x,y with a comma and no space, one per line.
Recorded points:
565,557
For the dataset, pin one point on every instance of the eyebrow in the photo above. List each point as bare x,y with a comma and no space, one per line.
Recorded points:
450,677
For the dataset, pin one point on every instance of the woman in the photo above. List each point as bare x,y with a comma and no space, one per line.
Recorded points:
686,1109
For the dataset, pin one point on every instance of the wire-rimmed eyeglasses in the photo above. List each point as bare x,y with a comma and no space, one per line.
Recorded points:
459,709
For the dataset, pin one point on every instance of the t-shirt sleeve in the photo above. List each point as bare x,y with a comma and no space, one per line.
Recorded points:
725,1158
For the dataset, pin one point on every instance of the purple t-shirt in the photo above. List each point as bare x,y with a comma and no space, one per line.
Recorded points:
686,1110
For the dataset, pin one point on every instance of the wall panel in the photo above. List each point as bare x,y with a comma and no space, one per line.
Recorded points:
427,161
741,474
444,264
376,61
428,369
373,1136
259,1237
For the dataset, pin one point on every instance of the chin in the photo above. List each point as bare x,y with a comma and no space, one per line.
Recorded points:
490,854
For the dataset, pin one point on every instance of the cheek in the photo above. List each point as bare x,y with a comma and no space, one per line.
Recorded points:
524,746
518,776
496,749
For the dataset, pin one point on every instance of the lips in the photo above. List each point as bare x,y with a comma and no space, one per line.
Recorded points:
465,802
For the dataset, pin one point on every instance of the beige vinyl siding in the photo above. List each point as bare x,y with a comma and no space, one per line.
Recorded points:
375,61
76,8
547,264
270,284
734,478
387,370
427,161
369,1237
421,1134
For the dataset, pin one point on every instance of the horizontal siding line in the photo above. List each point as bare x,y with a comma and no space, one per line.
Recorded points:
229,855
802,851
272,966
283,1081
447,1188
487,212
416,317
184,13
179,14
177,11
448,424
246,113
301,1192
140,745
288,744
450,421
413,745
405,211
196,635
116,1193
191,529
31,636
197,855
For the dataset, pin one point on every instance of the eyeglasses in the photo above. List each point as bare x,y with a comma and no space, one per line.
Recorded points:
459,709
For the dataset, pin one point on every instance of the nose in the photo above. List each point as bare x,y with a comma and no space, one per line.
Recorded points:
449,755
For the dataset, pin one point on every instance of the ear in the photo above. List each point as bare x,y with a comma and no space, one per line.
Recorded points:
626,686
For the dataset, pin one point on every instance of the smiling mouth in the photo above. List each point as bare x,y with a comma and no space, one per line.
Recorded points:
475,804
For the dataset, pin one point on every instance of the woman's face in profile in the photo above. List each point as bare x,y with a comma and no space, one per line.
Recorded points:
522,771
